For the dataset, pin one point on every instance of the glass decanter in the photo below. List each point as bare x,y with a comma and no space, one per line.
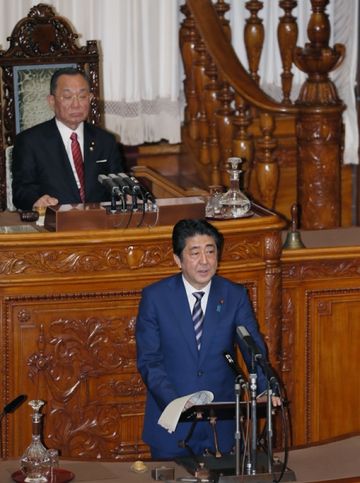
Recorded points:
234,203
35,461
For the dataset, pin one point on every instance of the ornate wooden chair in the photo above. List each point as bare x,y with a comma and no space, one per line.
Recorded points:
40,43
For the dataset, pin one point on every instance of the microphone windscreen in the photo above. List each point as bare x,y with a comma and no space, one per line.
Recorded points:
13,405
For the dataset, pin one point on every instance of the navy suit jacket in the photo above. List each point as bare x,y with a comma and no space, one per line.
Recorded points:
171,365
41,165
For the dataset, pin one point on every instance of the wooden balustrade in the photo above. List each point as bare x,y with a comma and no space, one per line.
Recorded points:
228,114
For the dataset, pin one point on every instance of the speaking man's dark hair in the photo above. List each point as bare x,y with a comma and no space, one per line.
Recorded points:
188,228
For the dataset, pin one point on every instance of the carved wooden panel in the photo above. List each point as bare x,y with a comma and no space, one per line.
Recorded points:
320,334
332,363
77,353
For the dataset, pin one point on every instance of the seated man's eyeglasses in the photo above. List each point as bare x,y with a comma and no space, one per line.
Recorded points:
82,98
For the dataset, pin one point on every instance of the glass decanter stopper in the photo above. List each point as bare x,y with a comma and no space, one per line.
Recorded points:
234,203
35,461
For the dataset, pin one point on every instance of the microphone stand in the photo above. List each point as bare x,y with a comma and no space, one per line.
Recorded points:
253,388
269,428
9,408
114,193
237,428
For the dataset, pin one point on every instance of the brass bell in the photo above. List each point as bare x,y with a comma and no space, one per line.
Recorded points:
293,239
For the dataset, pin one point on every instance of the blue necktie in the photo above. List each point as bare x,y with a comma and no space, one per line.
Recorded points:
198,317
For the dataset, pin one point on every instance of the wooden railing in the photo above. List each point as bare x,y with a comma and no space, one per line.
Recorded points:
228,114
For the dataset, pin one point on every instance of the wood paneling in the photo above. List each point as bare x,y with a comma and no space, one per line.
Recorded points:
68,308
321,333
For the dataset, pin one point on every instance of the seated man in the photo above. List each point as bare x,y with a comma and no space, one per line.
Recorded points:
59,161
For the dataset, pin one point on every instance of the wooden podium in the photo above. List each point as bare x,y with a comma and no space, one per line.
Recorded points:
99,216
69,301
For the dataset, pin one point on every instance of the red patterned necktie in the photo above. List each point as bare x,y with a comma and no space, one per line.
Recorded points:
79,164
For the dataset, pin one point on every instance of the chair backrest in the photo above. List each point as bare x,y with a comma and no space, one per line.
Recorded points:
40,43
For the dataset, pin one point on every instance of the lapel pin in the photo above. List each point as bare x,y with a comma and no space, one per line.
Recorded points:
92,146
219,305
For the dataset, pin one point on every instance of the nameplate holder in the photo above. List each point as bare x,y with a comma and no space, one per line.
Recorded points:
97,216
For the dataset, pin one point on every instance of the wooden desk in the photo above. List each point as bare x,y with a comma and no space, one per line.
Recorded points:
99,472
68,310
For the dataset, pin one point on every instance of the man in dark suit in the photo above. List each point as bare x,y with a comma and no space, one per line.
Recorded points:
174,357
44,169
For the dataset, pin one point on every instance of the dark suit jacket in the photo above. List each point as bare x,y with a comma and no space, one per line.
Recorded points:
171,366
41,165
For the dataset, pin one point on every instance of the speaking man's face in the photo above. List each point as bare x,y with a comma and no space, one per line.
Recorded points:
199,260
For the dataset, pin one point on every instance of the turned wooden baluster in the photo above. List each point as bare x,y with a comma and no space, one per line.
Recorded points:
319,126
287,38
213,89
212,104
225,129
188,36
266,166
243,144
225,113
221,8
201,80
254,37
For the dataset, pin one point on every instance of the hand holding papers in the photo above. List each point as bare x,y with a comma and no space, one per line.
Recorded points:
171,414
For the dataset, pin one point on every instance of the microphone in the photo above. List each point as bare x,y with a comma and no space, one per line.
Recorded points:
258,356
9,408
125,188
137,188
249,341
114,189
234,366
108,183
14,404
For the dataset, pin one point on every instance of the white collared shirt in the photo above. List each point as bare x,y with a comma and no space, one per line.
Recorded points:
65,133
189,292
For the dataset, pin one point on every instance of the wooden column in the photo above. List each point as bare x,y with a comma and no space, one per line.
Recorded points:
319,127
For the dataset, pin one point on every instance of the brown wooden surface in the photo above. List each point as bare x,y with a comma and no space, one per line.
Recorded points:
321,333
68,309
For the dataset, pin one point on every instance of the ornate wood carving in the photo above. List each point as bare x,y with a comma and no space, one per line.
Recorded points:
287,38
211,106
69,303
319,133
313,182
266,166
254,34
201,80
188,39
322,269
84,260
81,360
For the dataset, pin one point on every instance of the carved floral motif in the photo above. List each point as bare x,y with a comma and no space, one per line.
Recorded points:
248,248
84,260
79,357
326,268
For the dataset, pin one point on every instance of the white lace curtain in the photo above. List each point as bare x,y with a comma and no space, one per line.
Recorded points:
141,64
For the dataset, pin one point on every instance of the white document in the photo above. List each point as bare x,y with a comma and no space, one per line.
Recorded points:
171,414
